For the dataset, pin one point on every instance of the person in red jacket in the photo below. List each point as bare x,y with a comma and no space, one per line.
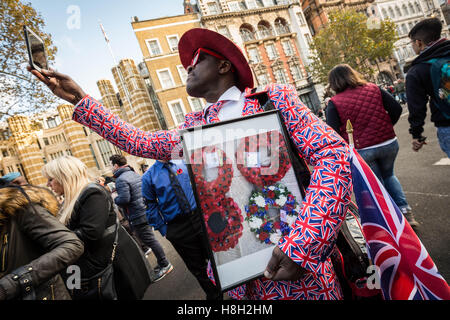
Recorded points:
373,113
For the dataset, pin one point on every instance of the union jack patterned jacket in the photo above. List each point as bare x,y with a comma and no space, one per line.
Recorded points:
314,234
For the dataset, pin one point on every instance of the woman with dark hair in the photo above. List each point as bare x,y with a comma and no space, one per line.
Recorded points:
35,248
373,113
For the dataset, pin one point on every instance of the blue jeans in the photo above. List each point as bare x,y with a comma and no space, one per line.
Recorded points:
381,161
443,134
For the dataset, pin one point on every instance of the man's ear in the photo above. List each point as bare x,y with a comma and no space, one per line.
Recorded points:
225,66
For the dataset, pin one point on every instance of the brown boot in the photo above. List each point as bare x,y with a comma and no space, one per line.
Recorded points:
411,220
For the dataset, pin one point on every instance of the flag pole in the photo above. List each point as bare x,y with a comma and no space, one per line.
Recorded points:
349,128
119,72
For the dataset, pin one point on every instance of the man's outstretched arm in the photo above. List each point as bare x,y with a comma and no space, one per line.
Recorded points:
161,145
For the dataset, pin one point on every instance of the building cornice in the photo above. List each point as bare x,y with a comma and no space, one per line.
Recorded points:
243,13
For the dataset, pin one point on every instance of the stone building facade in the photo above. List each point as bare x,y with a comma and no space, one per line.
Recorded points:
27,143
274,36
158,40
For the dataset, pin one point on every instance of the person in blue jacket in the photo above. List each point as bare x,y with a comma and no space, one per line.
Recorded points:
171,210
129,198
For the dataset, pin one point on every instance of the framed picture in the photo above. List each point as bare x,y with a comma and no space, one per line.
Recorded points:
246,191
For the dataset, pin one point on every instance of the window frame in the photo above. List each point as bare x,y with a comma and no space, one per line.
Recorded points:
158,73
147,42
172,113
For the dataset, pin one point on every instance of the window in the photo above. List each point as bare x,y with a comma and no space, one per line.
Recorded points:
308,38
46,141
173,42
404,29
5,153
271,51
183,73
165,78
263,79
177,111
253,55
223,30
301,19
247,34
196,104
391,13
105,151
296,72
405,10
280,76
397,11
153,47
251,4
213,8
306,99
264,31
233,6
51,122
281,26
287,47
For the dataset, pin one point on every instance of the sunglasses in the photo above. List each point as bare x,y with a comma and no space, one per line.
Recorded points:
199,51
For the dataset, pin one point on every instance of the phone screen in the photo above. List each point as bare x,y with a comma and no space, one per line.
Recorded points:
36,50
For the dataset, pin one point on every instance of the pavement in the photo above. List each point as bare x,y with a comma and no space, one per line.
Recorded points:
425,177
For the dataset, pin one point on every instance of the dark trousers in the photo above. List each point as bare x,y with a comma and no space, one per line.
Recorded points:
145,233
185,234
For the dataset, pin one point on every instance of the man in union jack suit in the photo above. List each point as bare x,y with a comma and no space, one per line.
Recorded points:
300,267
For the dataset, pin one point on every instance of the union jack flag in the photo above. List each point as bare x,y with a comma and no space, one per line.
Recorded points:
406,270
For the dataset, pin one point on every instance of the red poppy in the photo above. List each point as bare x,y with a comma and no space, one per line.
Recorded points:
263,236
271,194
276,225
179,171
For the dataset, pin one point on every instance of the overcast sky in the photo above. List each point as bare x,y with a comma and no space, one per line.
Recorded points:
82,50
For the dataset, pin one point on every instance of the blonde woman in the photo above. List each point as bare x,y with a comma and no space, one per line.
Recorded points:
88,211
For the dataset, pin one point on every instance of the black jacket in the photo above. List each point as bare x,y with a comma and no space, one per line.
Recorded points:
93,214
35,245
419,90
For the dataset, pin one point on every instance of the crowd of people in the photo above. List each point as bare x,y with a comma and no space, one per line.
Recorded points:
110,220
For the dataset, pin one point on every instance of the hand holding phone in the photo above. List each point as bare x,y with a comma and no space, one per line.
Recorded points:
61,85
36,50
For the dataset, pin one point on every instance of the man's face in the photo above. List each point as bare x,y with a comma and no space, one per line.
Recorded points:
114,167
417,45
202,76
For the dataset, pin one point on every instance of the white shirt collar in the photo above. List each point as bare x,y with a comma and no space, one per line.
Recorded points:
232,94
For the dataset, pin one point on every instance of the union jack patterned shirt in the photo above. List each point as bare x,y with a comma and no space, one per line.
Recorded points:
313,237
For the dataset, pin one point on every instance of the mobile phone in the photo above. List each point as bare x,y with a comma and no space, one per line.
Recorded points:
36,50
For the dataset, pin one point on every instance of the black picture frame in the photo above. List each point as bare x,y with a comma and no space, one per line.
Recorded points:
275,122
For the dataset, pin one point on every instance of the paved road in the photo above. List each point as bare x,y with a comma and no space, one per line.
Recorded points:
427,188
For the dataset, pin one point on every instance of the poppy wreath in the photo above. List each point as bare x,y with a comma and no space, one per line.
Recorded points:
266,229
222,183
279,154
223,220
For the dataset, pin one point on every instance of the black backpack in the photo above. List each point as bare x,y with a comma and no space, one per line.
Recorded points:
349,256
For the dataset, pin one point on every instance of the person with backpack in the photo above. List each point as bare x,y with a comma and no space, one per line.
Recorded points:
428,78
